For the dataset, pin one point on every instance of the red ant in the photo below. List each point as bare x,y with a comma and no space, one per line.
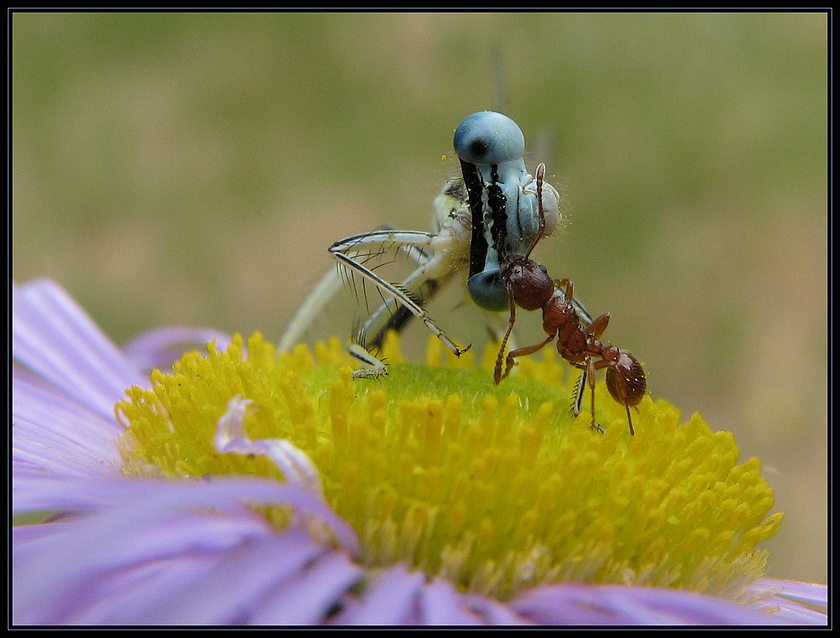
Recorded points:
530,287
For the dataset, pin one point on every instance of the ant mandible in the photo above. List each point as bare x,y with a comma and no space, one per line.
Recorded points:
530,287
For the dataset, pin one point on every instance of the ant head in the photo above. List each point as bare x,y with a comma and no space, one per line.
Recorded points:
527,282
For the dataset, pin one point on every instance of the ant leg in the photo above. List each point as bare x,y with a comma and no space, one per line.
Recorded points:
497,372
590,370
598,325
584,318
629,420
523,352
568,286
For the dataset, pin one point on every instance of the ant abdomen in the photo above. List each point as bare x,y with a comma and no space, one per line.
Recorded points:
626,380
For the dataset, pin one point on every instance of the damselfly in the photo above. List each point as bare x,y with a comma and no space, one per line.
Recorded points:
489,213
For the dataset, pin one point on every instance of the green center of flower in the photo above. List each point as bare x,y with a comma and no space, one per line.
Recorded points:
494,488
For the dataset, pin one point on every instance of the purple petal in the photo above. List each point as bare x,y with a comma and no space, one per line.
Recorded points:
53,434
33,539
133,498
165,552
140,594
309,596
493,612
54,337
97,564
161,347
792,602
397,596
293,463
390,600
571,604
441,604
237,581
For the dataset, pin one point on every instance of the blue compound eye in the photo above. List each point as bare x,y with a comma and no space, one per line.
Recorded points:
488,291
487,137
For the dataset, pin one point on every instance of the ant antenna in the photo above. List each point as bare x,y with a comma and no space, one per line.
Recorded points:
540,176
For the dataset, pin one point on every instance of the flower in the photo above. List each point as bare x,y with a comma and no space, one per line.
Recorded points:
243,487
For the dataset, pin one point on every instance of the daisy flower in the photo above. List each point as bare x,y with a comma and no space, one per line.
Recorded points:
237,485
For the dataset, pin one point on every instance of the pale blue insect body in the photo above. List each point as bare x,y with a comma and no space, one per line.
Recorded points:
502,199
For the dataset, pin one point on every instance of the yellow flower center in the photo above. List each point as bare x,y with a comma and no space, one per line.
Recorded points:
494,488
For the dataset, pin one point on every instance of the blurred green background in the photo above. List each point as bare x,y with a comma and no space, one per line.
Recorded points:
193,168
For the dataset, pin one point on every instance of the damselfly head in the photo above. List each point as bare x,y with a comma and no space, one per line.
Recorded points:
488,137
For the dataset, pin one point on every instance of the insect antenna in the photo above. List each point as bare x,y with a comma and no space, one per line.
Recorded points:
540,177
